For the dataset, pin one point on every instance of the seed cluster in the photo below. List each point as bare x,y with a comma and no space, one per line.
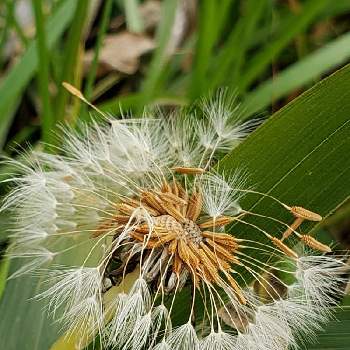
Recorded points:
179,244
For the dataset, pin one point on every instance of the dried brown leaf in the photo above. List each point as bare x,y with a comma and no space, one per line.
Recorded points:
121,52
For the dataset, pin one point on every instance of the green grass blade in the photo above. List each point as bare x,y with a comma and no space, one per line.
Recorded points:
4,35
71,54
132,14
223,16
20,75
102,28
43,73
131,102
293,27
4,266
149,86
227,54
299,74
207,34
336,8
11,7
254,11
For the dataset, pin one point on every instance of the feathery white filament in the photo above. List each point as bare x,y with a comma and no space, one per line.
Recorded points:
140,333
268,331
220,195
183,338
184,148
85,317
321,278
223,115
71,287
132,311
162,346
218,341
34,257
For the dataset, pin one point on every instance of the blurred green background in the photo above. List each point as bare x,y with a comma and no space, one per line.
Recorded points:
125,55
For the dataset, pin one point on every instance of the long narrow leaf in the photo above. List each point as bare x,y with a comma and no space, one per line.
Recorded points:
299,74
160,57
43,73
20,75
296,25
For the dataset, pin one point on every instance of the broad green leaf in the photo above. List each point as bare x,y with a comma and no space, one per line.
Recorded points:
4,266
21,74
22,320
300,156
336,335
25,323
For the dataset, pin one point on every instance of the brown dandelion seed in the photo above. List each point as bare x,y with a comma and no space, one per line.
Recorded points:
172,198
165,187
237,289
194,206
77,93
153,201
284,248
135,203
73,90
188,170
217,222
214,257
172,211
221,238
315,244
306,214
121,219
104,228
297,222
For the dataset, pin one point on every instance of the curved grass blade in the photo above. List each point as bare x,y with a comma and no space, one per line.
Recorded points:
20,75
299,74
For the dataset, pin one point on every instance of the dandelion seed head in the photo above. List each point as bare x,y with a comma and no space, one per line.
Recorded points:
140,208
